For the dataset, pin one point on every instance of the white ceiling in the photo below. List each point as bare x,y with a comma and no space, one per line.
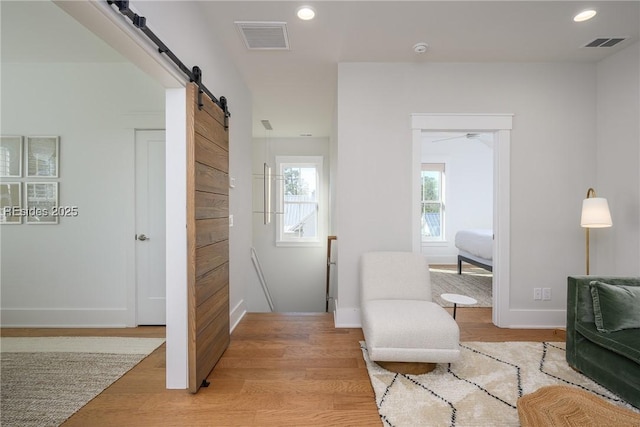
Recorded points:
296,89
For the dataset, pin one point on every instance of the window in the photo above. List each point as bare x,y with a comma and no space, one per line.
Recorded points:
300,181
432,202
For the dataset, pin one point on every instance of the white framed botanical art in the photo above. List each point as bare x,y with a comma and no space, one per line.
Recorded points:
41,202
11,203
42,156
10,156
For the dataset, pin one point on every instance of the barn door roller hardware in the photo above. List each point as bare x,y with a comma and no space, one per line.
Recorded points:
195,74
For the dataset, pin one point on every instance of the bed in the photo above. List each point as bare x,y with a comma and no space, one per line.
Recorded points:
475,246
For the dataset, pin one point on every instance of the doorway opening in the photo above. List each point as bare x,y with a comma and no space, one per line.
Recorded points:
457,214
499,127
290,240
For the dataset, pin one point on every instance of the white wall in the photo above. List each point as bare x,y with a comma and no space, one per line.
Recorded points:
79,272
333,216
296,276
616,250
552,159
468,190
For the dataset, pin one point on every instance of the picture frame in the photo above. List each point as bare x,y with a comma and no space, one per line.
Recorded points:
41,202
42,156
10,156
11,203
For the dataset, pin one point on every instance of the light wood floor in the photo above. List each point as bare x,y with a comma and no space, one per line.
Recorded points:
279,370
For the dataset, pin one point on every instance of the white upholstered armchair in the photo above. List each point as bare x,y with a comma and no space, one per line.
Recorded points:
399,321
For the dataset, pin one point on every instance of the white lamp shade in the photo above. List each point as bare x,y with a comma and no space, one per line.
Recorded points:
595,213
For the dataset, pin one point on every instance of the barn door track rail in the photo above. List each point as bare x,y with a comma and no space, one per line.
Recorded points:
195,74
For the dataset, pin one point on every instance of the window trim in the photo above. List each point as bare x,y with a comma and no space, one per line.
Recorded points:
302,161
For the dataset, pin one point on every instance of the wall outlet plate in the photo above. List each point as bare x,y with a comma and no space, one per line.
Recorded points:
537,294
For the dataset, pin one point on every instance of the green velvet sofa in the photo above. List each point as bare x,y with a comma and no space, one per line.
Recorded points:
610,358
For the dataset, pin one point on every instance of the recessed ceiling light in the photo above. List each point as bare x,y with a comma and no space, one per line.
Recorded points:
306,13
585,15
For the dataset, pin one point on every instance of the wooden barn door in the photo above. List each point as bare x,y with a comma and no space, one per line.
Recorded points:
207,236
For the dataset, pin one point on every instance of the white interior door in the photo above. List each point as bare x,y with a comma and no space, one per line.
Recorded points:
150,227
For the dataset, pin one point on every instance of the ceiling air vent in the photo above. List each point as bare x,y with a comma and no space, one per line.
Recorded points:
264,35
605,42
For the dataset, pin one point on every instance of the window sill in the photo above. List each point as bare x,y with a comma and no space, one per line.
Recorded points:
435,243
289,244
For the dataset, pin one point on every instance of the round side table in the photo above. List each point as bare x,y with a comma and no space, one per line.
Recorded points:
458,299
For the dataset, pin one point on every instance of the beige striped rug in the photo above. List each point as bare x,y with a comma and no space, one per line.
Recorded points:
473,282
480,389
45,380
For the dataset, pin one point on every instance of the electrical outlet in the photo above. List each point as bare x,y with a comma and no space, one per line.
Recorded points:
537,294
230,220
546,294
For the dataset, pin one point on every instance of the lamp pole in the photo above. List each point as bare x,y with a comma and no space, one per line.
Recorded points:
587,250
590,193
595,214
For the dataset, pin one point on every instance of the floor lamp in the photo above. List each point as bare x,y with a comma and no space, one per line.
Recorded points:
595,214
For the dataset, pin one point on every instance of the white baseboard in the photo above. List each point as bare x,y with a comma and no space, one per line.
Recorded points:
236,315
533,319
64,318
349,317
346,317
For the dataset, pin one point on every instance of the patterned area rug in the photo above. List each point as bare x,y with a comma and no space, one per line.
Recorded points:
481,389
46,380
473,282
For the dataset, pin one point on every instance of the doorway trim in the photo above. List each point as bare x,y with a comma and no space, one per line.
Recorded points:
500,125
